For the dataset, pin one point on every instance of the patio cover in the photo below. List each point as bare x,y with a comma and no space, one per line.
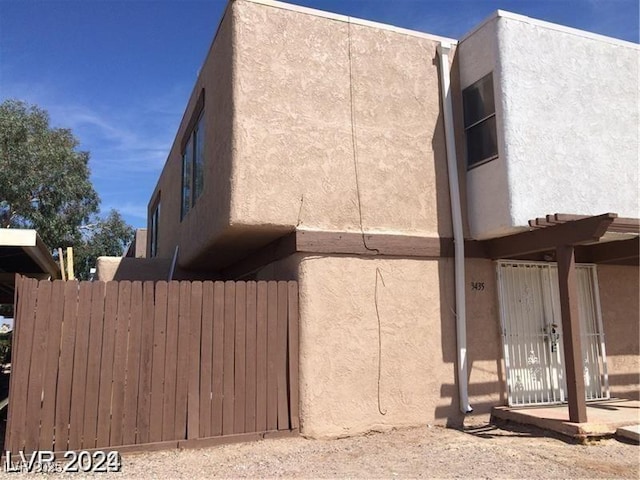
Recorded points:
23,251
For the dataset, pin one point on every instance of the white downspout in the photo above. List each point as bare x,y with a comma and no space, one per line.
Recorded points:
458,235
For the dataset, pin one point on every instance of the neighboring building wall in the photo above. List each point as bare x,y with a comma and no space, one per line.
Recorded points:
619,298
138,246
406,328
567,136
127,268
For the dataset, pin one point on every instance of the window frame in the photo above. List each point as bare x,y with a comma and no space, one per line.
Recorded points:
153,226
192,157
477,121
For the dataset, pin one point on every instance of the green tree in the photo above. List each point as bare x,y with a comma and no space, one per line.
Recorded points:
108,236
44,179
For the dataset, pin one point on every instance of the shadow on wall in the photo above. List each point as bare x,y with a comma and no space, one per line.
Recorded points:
484,358
145,269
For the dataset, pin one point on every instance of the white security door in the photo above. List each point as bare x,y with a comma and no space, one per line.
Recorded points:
532,333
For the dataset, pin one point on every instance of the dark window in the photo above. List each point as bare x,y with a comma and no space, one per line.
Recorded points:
198,159
187,163
193,158
480,122
155,217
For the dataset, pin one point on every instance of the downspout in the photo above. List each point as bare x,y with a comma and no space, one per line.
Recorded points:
458,235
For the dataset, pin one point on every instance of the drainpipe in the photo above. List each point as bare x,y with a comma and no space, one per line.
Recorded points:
458,235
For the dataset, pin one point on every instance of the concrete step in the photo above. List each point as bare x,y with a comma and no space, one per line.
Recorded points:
631,432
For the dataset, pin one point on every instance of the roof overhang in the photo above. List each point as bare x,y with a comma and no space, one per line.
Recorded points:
599,239
23,251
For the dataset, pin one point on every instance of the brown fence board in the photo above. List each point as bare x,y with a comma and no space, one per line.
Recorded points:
47,420
240,360
106,365
193,367
281,366
250,402
120,362
146,357
19,295
20,362
130,408
218,359
80,355
158,364
272,356
126,364
38,357
261,356
293,340
90,427
171,359
182,379
229,357
206,359
65,364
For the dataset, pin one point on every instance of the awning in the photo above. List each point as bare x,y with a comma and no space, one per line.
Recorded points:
23,251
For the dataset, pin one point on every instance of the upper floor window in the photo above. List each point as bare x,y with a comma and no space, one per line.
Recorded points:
193,159
480,122
155,217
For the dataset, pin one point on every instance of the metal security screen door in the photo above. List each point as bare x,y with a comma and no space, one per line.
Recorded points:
532,333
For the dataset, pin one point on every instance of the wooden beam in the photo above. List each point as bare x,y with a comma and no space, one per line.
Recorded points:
569,233
371,244
619,225
61,260
571,339
351,243
610,252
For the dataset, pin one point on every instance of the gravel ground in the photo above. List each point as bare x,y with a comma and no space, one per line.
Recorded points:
482,451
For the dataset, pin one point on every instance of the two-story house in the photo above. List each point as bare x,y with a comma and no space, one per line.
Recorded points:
410,183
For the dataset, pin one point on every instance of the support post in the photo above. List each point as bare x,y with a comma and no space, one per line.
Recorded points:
571,340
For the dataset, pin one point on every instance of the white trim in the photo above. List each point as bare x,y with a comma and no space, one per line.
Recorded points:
550,26
354,21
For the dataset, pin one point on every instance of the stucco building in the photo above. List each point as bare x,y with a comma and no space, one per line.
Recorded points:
398,176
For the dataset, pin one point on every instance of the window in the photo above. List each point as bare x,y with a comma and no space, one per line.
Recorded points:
193,159
155,217
198,159
187,161
480,122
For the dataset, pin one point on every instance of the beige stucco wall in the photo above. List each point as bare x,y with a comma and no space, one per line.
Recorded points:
619,287
317,96
339,342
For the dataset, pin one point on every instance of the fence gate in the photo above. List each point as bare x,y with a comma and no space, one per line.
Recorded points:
135,365
532,333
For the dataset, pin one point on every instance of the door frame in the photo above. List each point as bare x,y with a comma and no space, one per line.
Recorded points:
600,344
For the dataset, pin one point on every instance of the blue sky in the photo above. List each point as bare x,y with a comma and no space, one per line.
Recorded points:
119,73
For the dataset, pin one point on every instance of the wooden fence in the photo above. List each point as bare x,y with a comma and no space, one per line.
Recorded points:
134,364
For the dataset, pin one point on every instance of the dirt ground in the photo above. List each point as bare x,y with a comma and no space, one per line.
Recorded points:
482,451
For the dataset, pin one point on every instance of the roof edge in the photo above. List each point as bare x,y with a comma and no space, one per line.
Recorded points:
551,26
352,20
